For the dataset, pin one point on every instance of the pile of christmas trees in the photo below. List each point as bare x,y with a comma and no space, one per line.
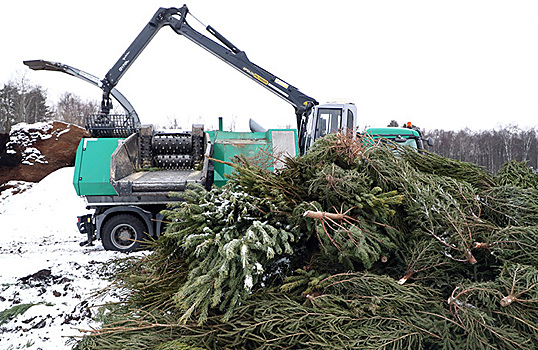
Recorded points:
347,247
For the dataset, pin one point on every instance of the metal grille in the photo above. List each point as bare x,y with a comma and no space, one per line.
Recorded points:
112,125
173,161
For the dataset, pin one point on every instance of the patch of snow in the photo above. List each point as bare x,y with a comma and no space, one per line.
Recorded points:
32,155
14,187
248,282
25,135
259,268
38,232
244,251
60,133
44,126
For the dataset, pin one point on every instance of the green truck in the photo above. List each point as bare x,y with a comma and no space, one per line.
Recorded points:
129,172
405,136
128,198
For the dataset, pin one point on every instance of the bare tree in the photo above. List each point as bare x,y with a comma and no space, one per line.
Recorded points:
488,148
232,124
173,123
36,108
8,95
20,101
72,109
528,140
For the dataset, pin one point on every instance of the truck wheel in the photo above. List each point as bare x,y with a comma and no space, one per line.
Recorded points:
124,233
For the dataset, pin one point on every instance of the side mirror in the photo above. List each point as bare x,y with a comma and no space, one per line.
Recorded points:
430,142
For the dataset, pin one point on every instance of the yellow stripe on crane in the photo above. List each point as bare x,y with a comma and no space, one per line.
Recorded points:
261,79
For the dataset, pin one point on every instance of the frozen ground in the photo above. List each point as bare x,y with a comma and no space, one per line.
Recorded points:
41,262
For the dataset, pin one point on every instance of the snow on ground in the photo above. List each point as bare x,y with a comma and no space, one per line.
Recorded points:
12,188
41,262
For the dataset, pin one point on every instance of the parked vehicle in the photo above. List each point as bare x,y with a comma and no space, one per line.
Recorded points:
128,171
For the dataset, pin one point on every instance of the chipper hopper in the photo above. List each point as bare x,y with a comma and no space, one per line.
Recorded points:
129,181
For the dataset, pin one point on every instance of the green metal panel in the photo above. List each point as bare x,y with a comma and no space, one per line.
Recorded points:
92,166
255,146
388,132
228,144
395,134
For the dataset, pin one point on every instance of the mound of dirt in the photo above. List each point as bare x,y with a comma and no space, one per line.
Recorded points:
32,151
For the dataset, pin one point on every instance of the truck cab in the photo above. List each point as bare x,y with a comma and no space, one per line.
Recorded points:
407,136
330,118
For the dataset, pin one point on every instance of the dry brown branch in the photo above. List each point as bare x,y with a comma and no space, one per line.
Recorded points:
321,215
511,297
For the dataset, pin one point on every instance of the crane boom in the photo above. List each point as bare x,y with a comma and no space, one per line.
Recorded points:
87,77
225,50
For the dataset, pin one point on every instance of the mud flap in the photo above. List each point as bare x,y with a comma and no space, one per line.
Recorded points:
86,226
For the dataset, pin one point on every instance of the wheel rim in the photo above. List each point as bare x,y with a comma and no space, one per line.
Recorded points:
123,236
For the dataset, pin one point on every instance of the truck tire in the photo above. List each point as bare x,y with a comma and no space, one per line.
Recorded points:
124,233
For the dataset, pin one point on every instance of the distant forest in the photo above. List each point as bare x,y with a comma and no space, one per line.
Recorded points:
487,148
22,101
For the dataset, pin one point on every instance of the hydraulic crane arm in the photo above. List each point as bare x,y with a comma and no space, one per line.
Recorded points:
87,77
229,53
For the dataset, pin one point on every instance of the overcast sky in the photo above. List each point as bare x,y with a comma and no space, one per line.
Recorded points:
440,64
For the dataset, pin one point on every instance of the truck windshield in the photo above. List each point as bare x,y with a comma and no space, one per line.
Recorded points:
329,121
